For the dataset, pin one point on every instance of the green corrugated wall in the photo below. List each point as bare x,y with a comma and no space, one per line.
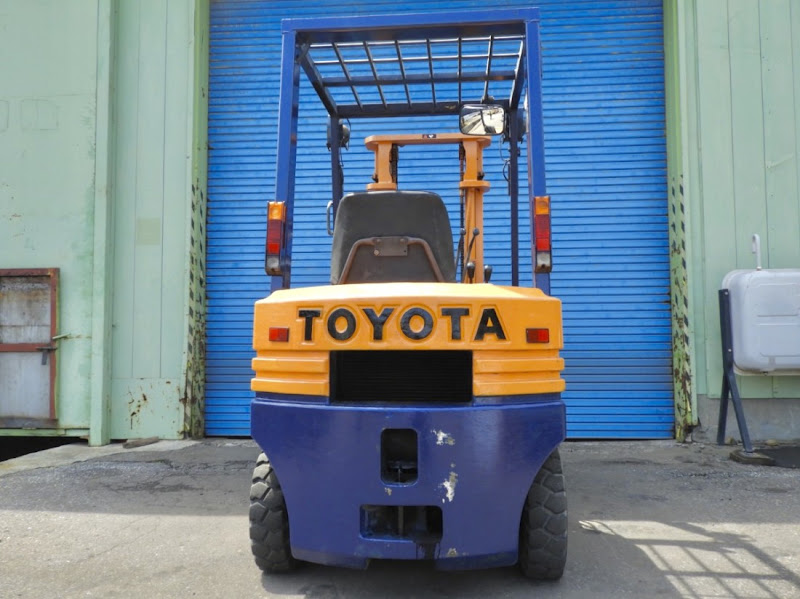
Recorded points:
735,88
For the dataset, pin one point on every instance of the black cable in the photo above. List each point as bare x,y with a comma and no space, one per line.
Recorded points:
506,161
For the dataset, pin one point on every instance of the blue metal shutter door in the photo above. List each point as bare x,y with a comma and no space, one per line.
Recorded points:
605,155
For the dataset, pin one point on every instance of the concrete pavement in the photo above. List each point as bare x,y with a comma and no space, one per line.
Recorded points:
647,519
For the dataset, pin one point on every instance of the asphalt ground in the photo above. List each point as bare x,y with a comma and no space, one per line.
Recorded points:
647,519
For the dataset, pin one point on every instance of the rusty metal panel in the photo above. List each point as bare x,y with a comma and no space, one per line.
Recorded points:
25,387
27,352
25,310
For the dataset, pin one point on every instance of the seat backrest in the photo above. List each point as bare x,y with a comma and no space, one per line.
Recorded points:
370,214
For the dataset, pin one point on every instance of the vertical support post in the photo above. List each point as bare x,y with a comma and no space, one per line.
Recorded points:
103,249
729,386
384,174
513,191
337,176
54,291
473,187
288,108
193,361
537,185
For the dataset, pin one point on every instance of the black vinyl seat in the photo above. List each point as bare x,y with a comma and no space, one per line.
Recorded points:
384,236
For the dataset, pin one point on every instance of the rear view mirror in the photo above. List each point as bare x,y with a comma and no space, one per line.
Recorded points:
482,119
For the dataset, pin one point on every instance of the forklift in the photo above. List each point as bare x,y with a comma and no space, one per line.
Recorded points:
411,410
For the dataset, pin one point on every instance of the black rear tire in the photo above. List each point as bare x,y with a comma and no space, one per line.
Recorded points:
269,521
543,529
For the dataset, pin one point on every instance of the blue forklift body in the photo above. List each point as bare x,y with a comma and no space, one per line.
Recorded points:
476,462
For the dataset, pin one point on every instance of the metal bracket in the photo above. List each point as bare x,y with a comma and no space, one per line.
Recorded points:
729,387
46,349
390,246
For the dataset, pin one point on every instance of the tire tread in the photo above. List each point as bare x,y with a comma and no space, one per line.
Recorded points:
269,521
543,528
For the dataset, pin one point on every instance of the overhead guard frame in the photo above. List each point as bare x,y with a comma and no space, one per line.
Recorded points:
301,38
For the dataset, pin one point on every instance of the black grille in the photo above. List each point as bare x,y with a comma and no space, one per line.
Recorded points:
401,376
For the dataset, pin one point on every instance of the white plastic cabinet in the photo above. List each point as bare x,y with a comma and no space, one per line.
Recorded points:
765,315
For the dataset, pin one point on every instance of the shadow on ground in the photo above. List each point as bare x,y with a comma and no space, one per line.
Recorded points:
785,456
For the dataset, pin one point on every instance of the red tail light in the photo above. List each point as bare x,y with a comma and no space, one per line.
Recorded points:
537,335
280,334
542,234
276,219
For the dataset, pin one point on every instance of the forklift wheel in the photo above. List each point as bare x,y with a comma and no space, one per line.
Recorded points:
543,529
269,521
